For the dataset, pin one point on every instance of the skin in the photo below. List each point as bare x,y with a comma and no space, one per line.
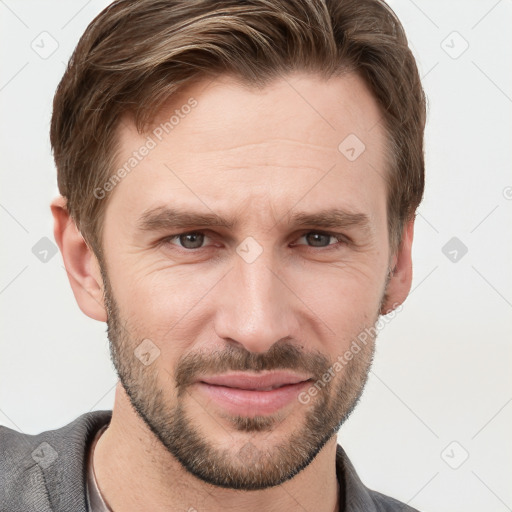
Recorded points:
257,157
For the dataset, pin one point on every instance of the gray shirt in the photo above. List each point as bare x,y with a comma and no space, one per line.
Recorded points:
47,472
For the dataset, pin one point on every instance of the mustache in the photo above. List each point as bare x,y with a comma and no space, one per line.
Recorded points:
282,356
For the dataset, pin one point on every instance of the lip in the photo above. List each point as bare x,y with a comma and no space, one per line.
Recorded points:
255,382
248,395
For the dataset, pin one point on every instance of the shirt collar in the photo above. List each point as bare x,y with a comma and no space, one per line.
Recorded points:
95,501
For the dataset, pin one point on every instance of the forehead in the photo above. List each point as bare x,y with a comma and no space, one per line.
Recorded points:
223,146
300,107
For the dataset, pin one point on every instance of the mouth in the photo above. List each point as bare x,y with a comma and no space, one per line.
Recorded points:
256,382
253,394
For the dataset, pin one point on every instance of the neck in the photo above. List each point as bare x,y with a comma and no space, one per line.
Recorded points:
134,471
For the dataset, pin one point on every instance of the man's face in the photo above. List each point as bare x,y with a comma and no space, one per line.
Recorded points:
266,293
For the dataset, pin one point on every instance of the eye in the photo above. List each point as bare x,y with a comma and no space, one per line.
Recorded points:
192,240
322,239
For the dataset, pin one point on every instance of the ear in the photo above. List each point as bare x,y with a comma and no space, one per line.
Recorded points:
400,281
81,263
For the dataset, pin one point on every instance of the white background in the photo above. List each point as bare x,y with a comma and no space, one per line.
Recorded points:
442,371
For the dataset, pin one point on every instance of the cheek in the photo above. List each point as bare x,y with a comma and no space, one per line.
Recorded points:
163,304
345,298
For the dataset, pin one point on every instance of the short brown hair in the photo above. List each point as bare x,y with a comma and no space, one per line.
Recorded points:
137,53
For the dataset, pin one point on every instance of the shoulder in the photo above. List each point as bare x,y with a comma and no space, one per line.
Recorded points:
46,471
358,497
387,504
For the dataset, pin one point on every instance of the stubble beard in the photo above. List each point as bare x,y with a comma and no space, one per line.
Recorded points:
251,463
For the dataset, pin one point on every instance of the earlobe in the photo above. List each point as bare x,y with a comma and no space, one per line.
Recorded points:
81,264
400,281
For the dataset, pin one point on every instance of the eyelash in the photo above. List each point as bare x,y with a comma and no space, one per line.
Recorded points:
342,240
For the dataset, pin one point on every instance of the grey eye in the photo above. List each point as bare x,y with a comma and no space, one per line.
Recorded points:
191,240
317,239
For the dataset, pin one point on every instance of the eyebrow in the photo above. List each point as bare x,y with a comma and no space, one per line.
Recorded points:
166,218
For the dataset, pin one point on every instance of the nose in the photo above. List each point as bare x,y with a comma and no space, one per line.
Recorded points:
255,306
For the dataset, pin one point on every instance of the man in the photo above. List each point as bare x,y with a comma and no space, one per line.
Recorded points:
238,189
